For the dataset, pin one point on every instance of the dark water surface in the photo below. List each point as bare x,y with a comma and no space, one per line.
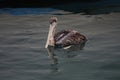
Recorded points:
86,7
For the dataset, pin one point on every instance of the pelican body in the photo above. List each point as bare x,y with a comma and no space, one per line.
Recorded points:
64,38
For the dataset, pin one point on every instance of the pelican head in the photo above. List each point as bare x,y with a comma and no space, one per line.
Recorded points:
50,39
52,20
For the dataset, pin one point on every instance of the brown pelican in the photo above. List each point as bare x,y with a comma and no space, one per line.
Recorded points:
63,39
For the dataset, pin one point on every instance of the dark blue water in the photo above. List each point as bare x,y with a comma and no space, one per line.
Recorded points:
25,11
94,7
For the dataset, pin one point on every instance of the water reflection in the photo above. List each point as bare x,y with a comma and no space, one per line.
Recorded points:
69,53
53,59
51,54
55,55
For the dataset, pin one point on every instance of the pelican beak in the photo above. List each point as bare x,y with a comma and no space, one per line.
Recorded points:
50,39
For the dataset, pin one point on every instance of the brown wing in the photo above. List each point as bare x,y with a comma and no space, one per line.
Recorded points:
60,35
71,37
74,39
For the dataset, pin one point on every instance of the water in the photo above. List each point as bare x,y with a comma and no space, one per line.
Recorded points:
23,56
25,11
93,7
